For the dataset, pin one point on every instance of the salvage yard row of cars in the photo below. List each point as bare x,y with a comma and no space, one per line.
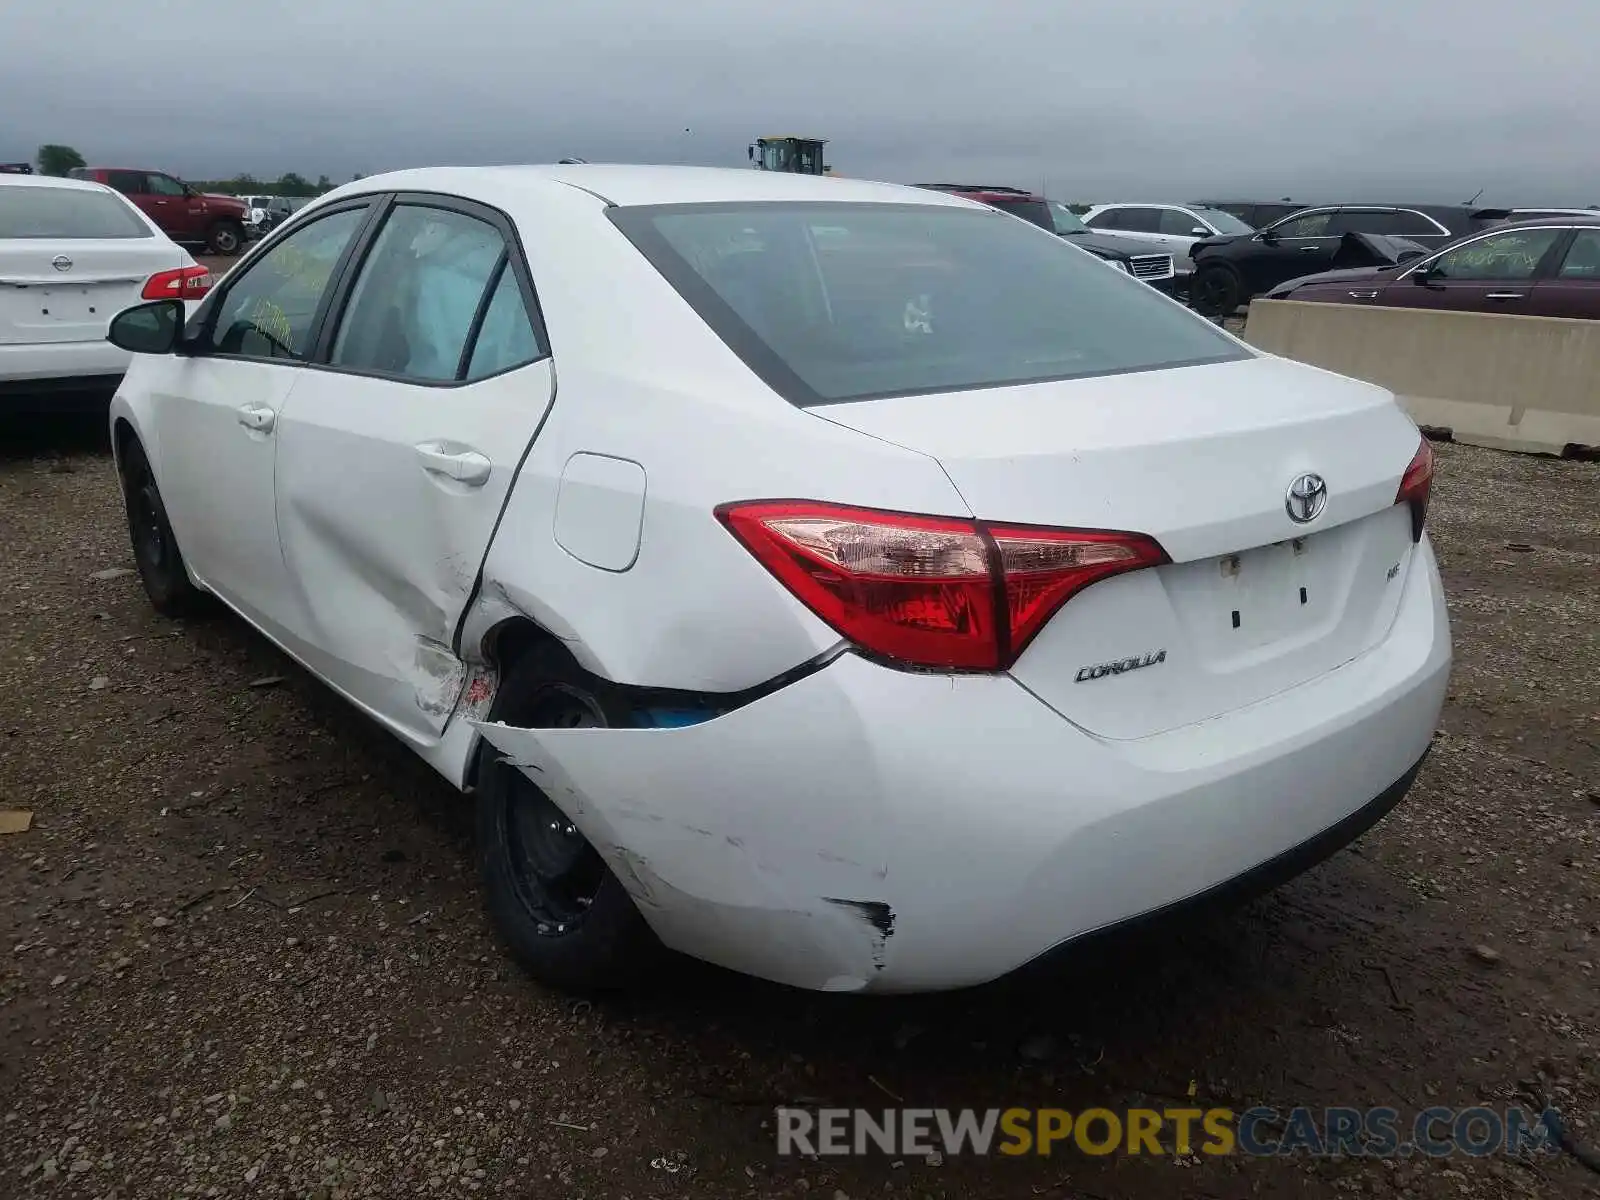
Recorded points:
891,595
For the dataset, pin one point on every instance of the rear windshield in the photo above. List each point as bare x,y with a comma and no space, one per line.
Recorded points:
57,212
832,302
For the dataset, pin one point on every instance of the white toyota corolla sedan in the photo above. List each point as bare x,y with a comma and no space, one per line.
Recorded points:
845,583
72,255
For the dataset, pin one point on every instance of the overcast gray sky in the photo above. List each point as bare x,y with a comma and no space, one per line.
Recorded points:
1095,99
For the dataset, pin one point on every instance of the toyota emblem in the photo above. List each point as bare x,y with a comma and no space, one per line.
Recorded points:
61,262
1307,497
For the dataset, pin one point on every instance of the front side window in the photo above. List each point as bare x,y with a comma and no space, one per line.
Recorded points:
58,212
1501,257
1111,218
1224,222
414,303
909,299
1583,256
164,185
271,311
1035,212
1309,226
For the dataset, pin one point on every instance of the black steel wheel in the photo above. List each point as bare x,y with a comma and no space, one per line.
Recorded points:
559,908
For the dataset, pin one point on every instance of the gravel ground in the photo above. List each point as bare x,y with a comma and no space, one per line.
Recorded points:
242,953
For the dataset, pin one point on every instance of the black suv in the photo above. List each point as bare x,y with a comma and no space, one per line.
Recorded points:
1228,271
1132,255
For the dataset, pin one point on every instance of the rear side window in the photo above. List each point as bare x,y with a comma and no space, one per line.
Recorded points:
1141,220
433,277
832,302
58,212
129,183
1036,212
1583,256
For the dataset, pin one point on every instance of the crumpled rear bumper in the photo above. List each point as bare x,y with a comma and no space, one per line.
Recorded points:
871,829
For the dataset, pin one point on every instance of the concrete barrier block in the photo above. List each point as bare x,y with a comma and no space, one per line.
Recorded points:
1514,383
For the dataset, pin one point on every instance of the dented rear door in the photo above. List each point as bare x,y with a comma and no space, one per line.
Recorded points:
395,459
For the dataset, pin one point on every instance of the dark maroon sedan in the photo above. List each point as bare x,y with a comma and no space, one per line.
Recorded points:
1543,268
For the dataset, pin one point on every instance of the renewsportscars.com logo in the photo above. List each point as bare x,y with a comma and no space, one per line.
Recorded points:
1257,1132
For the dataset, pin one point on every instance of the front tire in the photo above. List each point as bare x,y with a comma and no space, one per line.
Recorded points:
155,549
1216,291
561,911
225,238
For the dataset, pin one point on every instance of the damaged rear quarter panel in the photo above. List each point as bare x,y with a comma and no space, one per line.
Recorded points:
762,883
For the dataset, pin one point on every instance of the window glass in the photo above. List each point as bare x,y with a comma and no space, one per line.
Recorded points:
1310,225
1412,224
1357,220
506,339
1110,219
163,185
58,212
1512,255
129,183
269,312
1064,220
1583,257
909,299
1224,222
1141,220
413,305
1177,223
1035,212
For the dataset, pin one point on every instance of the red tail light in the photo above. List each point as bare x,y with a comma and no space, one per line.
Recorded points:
1416,487
182,283
930,591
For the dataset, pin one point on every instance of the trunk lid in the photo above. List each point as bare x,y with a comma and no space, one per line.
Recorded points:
42,303
1200,458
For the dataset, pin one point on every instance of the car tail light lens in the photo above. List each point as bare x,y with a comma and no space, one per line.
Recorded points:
181,283
937,592
1416,487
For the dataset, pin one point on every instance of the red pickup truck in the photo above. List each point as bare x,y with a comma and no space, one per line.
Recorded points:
185,215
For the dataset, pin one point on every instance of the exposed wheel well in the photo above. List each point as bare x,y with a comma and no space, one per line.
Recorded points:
502,646
122,435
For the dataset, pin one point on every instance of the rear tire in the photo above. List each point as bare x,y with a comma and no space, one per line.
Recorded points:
225,238
560,910
1216,290
155,548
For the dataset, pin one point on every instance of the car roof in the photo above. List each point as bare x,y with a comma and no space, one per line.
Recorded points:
59,181
629,185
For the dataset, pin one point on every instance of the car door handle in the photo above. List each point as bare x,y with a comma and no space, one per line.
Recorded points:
257,417
1372,295
1504,296
1309,249
462,464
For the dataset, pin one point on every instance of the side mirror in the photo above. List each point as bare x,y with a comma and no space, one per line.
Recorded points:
1268,237
1423,274
1199,231
151,328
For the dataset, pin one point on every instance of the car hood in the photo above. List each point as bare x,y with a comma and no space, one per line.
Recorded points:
1348,275
1109,246
221,201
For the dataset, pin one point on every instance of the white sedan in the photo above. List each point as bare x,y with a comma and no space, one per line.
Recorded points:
72,255
870,610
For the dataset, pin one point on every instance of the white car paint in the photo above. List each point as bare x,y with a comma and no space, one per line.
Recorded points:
53,321
1177,241
855,826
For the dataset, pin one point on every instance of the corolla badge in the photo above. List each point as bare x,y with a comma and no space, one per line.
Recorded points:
1306,498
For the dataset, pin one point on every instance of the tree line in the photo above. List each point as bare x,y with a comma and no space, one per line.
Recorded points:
53,159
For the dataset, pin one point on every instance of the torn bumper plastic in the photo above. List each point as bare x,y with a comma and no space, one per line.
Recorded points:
871,829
